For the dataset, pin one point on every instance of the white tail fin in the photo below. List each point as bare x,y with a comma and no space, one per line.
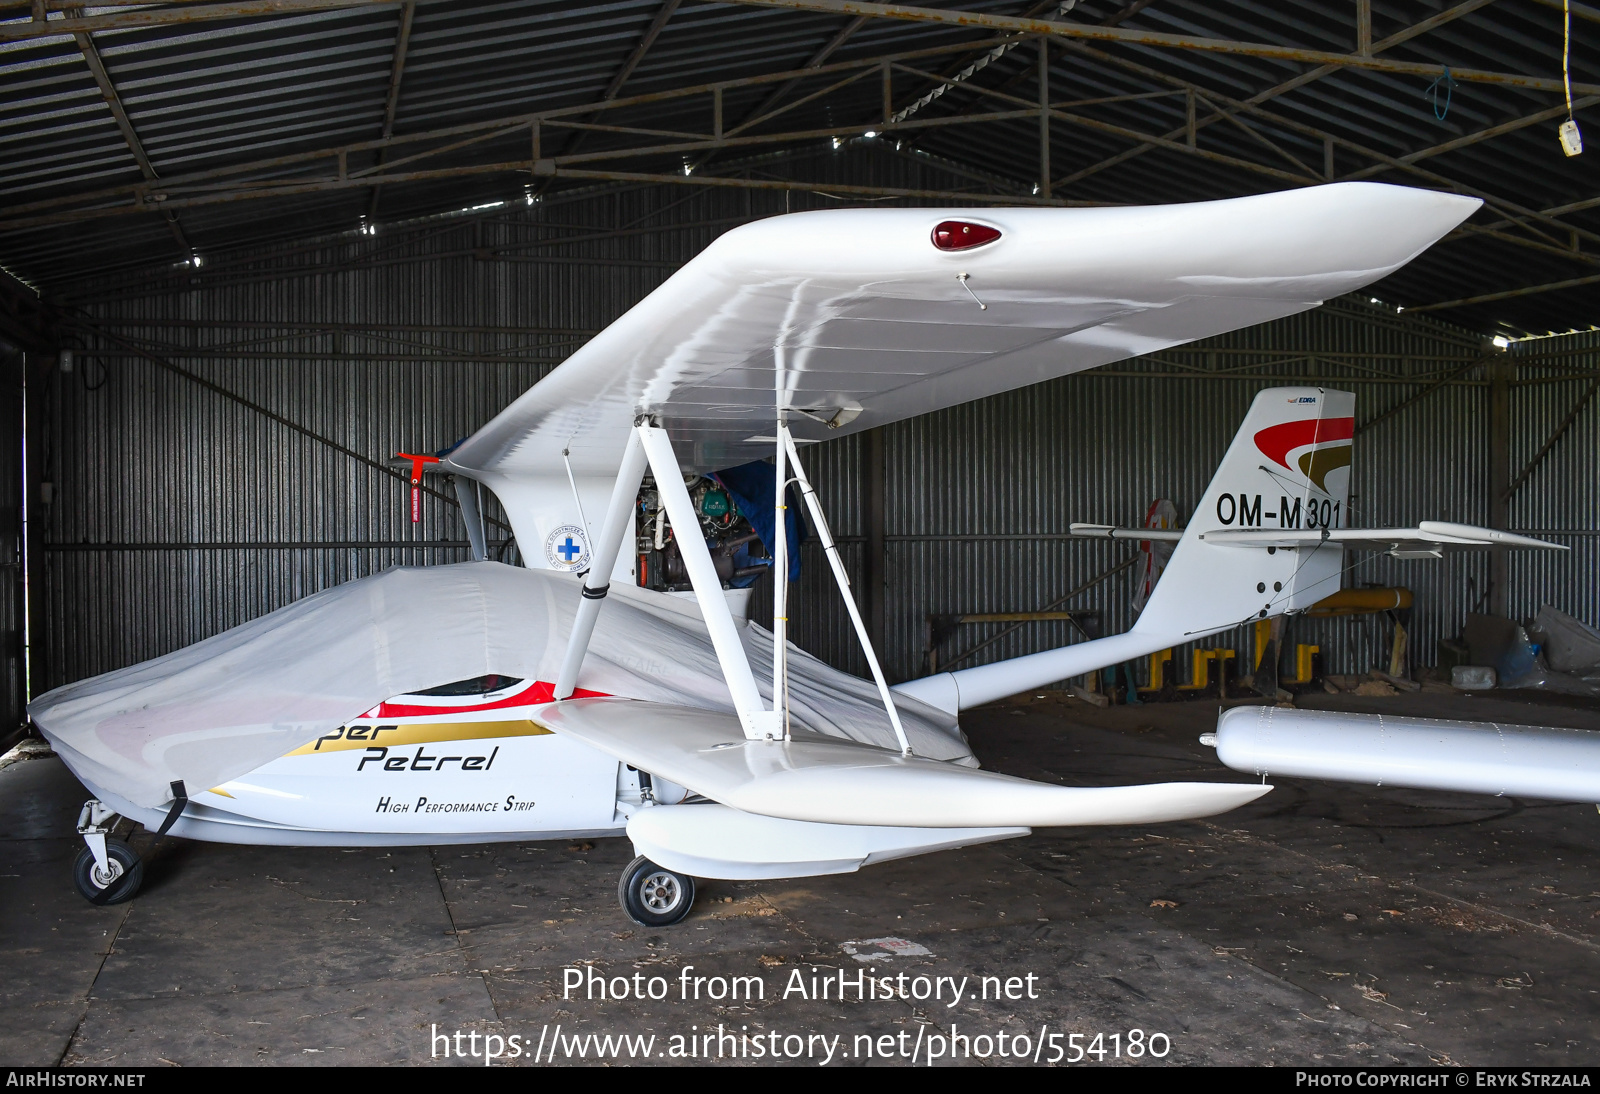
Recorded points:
1288,467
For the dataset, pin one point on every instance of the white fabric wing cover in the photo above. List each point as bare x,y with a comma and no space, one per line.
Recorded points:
222,707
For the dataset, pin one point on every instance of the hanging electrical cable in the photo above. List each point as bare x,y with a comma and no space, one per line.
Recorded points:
1571,139
1444,84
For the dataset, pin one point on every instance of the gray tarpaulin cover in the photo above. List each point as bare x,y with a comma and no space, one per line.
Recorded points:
223,707
1570,645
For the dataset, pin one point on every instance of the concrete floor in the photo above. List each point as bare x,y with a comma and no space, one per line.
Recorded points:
1324,924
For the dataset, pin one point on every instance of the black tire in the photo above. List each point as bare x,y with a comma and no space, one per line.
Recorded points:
654,896
127,874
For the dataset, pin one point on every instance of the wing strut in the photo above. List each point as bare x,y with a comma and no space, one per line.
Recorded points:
843,579
780,571
469,492
758,722
597,582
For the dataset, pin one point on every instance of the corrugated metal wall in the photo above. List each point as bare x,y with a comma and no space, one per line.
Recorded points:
1561,494
980,495
182,511
12,667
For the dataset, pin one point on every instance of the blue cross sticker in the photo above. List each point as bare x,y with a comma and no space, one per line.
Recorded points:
569,550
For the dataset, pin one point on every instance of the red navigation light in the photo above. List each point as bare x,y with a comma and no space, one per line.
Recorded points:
962,235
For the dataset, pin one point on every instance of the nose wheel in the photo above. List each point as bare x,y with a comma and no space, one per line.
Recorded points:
112,882
654,896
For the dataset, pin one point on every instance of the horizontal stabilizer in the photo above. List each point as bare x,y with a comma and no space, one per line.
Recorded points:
1106,531
1428,539
814,778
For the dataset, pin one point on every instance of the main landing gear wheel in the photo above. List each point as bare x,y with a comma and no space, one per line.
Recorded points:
654,896
120,880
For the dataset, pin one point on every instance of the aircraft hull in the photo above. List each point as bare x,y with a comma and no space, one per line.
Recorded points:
451,776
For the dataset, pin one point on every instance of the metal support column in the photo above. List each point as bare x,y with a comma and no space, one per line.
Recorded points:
1044,117
1501,374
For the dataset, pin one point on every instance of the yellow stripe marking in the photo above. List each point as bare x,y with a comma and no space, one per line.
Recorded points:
421,733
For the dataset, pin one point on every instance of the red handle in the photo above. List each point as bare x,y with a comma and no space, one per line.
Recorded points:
417,464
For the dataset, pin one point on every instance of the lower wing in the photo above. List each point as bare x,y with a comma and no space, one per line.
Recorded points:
815,778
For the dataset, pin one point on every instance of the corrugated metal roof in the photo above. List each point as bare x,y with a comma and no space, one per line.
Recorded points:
210,94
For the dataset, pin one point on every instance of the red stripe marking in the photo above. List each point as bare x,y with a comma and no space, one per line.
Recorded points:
540,692
1277,441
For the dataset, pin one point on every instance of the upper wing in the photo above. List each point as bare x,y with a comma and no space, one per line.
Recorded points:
855,318
1429,538
815,778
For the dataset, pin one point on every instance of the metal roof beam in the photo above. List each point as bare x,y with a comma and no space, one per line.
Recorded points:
144,197
313,327
1518,213
402,45
1164,40
768,105
1473,138
1022,75
1303,176
166,16
817,60
108,92
657,25
1490,297
1395,39
575,140
391,102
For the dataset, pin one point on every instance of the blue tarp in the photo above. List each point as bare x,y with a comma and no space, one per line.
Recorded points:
752,485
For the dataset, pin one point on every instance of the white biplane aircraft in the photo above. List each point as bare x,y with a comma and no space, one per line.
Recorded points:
719,748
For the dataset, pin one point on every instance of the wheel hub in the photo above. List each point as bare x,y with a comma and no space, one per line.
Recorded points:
103,878
660,892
